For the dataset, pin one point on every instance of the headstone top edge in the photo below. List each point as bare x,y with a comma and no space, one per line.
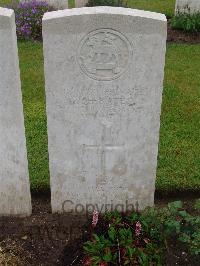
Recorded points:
103,10
6,12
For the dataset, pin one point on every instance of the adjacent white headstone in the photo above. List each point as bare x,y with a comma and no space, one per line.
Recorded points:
80,3
104,77
57,4
15,196
187,6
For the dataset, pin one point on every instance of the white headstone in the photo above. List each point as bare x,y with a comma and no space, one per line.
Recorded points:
15,196
57,4
104,77
80,3
187,6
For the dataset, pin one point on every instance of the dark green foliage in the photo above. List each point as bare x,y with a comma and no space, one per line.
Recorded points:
119,242
107,3
186,22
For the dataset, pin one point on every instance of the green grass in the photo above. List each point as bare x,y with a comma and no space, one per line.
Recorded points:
8,2
179,152
4,2
32,76
162,6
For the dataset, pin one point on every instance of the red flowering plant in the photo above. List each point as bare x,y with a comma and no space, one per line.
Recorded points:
120,240
141,238
95,218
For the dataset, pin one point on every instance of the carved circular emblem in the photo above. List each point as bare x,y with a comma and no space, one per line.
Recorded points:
104,54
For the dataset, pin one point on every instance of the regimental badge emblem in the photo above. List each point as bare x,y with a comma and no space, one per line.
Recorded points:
104,54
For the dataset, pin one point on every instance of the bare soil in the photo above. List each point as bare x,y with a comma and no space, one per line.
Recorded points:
178,36
52,239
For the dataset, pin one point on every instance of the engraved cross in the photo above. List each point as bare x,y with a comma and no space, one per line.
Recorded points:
103,147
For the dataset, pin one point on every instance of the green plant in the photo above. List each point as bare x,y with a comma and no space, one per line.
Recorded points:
124,241
176,222
186,22
197,204
185,226
142,238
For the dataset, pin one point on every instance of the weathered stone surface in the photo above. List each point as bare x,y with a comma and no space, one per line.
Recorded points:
187,6
104,76
57,4
14,181
80,3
